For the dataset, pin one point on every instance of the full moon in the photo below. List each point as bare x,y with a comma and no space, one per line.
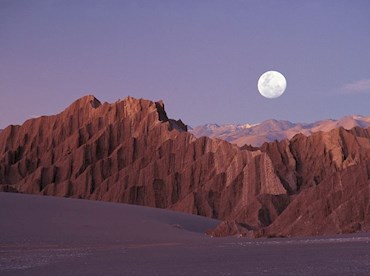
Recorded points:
271,84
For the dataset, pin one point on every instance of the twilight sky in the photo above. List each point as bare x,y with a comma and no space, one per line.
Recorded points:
202,57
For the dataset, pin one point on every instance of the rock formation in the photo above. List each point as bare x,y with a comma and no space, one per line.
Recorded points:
131,152
328,174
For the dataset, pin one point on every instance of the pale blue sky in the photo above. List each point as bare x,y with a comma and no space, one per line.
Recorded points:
203,58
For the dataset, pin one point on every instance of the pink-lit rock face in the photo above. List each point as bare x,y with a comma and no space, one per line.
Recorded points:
131,152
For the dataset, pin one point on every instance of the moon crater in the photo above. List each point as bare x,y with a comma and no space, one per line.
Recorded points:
272,84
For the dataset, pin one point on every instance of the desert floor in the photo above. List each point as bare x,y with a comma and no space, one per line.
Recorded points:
60,236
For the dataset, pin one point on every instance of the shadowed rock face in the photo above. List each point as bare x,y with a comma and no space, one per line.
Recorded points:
131,152
330,174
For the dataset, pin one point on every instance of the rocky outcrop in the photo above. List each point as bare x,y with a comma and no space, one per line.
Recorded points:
329,175
131,152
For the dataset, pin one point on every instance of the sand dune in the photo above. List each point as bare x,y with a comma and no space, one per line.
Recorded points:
61,236
74,220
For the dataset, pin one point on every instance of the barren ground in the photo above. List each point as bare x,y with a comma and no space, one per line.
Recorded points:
60,236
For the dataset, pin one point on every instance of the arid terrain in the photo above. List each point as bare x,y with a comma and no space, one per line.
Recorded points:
131,152
60,236
271,130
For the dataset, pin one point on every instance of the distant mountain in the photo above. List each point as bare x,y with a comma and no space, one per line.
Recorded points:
271,130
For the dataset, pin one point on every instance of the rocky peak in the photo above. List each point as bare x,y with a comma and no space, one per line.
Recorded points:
130,151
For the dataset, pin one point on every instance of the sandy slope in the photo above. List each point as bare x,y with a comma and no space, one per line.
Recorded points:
59,236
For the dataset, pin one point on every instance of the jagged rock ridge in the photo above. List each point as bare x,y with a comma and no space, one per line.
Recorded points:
131,152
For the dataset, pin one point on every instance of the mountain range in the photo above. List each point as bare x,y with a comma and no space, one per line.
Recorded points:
271,130
131,152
